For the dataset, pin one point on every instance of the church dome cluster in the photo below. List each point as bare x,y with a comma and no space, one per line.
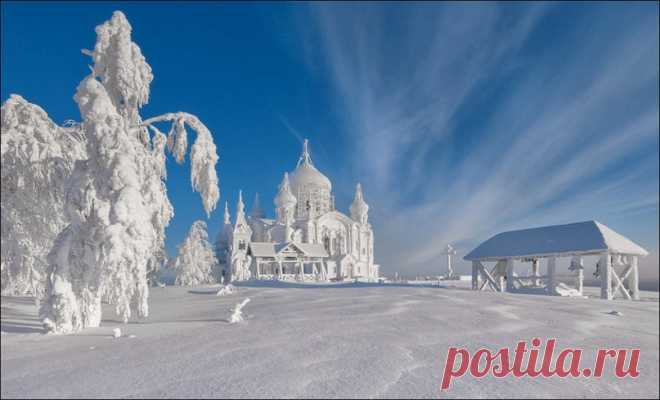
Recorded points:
308,238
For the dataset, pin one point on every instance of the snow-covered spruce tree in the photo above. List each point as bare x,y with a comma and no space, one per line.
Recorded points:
195,262
37,158
116,200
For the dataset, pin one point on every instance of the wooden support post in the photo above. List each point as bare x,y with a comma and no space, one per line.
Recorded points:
315,271
633,283
605,276
552,279
510,287
536,281
577,267
258,268
302,271
580,280
475,275
500,271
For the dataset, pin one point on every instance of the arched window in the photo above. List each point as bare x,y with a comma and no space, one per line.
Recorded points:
340,244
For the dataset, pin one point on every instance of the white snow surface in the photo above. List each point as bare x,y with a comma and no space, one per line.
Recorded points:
351,340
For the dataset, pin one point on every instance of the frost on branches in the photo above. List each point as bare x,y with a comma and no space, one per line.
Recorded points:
237,312
195,262
116,200
37,158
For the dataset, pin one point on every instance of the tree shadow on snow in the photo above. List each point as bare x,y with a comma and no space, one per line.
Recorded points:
207,292
337,285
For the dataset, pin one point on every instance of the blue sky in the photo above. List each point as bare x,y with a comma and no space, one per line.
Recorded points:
460,120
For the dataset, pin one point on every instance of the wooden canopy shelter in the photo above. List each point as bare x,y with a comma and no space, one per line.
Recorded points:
617,265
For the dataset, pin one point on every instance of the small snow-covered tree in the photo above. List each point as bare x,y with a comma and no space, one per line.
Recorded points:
116,200
37,158
195,262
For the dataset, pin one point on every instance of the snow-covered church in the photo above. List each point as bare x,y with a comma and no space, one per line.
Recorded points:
308,240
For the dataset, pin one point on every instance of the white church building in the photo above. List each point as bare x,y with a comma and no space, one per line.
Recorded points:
308,240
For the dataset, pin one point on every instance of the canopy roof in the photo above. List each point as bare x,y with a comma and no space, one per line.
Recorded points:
312,249
580,238
262,249
265,249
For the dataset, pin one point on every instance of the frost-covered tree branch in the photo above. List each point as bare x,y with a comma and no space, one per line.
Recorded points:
203,154
237,312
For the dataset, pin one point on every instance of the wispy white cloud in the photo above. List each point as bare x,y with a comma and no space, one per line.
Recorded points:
562,137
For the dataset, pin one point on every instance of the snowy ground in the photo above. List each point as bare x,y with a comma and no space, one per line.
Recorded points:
322,341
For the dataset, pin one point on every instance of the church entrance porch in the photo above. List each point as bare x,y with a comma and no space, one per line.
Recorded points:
288,261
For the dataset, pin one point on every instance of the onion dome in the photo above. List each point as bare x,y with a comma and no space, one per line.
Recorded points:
285,198
306,174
